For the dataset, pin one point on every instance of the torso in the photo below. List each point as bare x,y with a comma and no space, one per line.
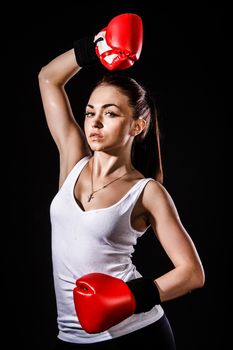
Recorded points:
110,195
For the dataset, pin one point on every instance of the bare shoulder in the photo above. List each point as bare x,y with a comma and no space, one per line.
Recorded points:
156,195
156,188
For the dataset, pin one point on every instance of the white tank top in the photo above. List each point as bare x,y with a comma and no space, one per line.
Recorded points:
99,240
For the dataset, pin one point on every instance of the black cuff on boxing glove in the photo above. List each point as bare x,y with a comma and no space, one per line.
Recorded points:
145,292
85,53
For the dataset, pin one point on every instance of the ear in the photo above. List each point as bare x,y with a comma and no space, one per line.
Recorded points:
138,126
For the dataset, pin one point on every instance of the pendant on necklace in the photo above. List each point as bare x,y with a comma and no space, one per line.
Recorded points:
90,197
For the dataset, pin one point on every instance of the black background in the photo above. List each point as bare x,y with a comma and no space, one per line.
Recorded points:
184,63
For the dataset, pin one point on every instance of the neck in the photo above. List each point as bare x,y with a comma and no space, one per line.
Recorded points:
113,168
106,164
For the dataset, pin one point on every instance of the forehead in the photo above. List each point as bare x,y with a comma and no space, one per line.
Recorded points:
108,94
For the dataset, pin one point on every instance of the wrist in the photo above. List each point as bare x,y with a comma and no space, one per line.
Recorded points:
84,50
145,292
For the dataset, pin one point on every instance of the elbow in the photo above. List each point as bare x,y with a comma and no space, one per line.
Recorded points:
198,277
43,75
49,76
201,280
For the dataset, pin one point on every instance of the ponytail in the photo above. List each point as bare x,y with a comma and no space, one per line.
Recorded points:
146,151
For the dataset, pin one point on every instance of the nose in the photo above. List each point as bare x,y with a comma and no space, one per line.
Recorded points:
97,121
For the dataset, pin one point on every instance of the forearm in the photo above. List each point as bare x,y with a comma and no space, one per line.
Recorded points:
60,70
179,281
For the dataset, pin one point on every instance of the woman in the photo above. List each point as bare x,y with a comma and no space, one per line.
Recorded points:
106,201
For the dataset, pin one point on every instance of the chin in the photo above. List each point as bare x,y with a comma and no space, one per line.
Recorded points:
97,147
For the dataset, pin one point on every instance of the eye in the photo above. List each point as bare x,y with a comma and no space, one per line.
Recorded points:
110,114
88,114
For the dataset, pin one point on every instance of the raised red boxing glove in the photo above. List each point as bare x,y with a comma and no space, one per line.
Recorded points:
119,45
101,301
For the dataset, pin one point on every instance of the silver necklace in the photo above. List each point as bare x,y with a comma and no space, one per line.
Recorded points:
91,195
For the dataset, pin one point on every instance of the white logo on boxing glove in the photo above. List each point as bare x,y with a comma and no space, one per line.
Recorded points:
102,48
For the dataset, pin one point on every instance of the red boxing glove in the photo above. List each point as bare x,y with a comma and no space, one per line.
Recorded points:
101,301
119,45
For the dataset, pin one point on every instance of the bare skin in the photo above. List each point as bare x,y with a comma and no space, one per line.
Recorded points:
109,131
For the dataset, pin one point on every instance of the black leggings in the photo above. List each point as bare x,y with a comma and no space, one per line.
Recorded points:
157,336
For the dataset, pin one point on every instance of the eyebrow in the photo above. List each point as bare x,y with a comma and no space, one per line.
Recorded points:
105,106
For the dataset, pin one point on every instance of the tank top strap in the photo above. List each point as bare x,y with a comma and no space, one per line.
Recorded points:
75,171
134,193
139,187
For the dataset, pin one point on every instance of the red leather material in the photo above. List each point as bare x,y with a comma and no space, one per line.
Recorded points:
124,38
101,301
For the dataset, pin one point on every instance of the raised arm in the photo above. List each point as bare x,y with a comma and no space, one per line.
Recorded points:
66,132
116,49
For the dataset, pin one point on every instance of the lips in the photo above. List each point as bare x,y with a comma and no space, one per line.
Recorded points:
96,136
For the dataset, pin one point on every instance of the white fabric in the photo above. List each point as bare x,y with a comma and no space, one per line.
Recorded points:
98,240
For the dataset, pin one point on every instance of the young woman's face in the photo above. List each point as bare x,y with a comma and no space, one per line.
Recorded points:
108,119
